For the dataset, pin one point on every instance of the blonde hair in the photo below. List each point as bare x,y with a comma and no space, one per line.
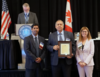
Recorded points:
25,5
88,36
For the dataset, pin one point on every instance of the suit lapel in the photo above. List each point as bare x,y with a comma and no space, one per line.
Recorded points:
30,17
56,37
32,40
65,35
85,44
39,38
23,18
86,41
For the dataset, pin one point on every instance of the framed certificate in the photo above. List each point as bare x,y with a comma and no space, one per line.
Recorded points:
65,48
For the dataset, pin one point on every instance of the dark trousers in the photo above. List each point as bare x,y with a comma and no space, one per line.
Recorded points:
37,72
61,69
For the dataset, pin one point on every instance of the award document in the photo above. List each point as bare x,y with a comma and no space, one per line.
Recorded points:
65,48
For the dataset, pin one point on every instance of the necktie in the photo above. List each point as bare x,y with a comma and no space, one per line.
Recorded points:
26,18
37,47
60,37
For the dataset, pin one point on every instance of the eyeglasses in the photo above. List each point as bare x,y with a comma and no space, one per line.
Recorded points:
84,31
59,24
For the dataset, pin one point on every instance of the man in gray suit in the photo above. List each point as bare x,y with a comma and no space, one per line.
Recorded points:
34,46
27,17
60,64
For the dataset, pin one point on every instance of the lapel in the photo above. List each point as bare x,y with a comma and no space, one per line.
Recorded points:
56,37
30,17
66,35
32,40
23,17
39,38
85,44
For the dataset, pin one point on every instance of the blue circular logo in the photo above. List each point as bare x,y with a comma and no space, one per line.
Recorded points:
24,31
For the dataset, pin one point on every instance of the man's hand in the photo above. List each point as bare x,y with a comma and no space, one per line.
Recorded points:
70,56
56,47
38,60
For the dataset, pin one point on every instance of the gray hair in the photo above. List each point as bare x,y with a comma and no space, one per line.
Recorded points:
59,20
25,5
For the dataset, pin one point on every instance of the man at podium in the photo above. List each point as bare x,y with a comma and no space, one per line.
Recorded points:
27,17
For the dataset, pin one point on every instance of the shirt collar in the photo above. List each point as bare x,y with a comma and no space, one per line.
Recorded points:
34,36
26,13
61,32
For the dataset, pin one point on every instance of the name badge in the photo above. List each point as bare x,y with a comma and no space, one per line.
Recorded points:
41,45
67,39
80,45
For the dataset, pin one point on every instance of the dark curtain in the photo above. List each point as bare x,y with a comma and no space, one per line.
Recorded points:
84,13
10,54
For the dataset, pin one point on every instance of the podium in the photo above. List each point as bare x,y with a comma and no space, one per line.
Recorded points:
21,42
18,26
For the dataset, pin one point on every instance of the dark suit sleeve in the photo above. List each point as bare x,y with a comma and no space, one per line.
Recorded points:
18,20
35,19
27,50
49,46
73,45
44,51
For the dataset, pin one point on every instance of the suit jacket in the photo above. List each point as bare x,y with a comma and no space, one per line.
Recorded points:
30,50
32,18
85,55
53,40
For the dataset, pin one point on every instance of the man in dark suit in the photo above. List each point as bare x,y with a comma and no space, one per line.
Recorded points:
62,64
27,17
35,53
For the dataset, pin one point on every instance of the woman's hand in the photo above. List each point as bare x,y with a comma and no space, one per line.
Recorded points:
82,64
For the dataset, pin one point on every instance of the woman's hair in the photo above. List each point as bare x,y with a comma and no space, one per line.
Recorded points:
88,36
